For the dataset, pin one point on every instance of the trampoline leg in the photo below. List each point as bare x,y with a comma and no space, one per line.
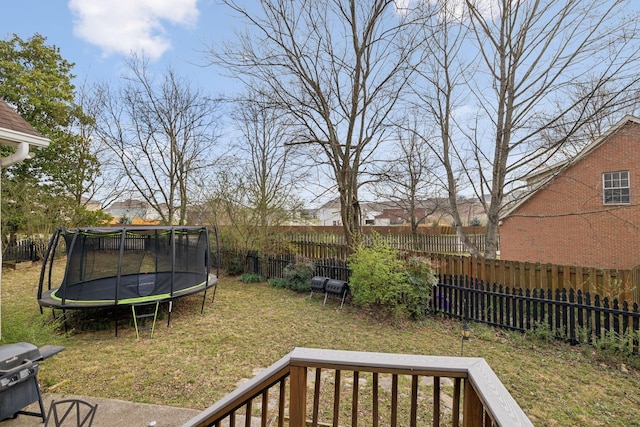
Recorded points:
213,297
169,313
344,294
204,297
64,320
155,317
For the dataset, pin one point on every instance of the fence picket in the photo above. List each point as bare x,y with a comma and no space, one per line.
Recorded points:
568,313
24,250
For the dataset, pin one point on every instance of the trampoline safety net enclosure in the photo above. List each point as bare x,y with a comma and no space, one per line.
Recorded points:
125,265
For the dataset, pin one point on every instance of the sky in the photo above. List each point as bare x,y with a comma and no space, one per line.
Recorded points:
97,35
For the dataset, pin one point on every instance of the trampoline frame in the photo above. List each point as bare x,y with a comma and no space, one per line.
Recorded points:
50,299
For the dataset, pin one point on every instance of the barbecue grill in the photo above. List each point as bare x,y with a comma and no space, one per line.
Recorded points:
19,378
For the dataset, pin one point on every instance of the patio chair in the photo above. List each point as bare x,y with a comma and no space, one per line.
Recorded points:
70,412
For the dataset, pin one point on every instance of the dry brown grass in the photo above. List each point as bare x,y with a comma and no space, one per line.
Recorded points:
201,357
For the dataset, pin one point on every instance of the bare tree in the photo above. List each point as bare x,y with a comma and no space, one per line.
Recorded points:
163,133
409,180
102,180
498,74
337,68
603,110
224,206
269,183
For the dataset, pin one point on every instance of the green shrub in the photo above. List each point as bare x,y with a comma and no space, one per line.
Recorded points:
612,343
235,264
380,279
298,276
541,331
278,283
251,278
422,281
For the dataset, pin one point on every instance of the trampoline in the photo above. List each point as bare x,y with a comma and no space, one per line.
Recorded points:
132,265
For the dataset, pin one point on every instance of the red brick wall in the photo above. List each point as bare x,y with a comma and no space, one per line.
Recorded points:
567,222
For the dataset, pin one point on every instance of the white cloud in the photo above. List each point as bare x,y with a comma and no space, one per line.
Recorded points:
131,26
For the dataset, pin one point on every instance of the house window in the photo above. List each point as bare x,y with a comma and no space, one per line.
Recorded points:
615,187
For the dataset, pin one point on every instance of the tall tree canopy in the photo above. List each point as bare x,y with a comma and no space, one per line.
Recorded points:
37,81
266,184
501,76
336,69
163,132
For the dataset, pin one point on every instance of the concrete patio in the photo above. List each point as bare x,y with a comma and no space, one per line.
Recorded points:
113,413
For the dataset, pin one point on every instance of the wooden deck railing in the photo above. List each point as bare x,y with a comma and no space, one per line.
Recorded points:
310,387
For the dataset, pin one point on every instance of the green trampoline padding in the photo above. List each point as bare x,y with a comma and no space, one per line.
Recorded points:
96,293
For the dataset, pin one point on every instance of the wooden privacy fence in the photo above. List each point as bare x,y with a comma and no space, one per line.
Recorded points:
447,256
614,284
618,284
314,245
572,315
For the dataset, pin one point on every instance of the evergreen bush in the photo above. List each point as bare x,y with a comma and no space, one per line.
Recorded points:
298,275
277,282
422,281
235,263
251,278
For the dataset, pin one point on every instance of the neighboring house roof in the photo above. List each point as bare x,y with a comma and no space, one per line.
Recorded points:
331,204
130,208
546,175
15,130
129,204
380,206
90,204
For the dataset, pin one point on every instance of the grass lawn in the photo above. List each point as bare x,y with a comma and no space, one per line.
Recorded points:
201,357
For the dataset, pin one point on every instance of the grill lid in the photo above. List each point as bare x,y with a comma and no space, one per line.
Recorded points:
12,355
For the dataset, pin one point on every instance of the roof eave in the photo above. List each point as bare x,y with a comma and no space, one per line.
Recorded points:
14,139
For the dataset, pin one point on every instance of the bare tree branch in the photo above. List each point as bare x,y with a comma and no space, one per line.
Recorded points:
163,133
337,69
537,66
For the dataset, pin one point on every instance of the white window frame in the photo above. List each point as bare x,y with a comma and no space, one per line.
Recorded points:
616,188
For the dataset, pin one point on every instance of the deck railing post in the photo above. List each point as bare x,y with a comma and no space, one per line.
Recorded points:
472,413
298,396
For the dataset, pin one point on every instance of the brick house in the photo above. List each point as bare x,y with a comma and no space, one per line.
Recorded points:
585,212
